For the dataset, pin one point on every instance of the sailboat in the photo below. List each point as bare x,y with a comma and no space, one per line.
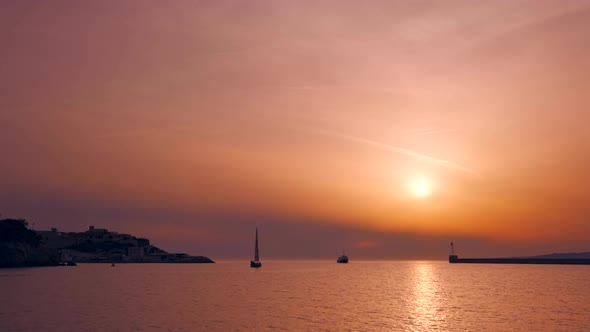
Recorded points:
256,262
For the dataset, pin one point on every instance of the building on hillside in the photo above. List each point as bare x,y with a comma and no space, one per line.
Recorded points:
136,253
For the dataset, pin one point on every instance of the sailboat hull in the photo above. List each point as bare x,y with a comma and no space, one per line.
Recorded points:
255,264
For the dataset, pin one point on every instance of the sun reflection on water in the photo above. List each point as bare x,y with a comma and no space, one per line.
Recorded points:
426,310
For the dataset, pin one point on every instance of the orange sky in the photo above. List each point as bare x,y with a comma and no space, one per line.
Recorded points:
300,111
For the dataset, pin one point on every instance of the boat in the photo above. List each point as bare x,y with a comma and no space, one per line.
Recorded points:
342,259
67,263
256,262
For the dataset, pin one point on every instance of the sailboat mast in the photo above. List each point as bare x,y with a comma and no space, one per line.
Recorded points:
256,259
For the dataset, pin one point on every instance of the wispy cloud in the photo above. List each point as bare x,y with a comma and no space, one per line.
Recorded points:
394,149
428,132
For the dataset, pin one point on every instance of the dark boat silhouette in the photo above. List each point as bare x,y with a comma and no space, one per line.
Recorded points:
256,262
342,259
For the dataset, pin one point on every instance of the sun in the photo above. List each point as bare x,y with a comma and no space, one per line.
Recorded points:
421,187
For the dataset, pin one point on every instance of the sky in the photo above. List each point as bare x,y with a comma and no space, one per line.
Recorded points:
385,129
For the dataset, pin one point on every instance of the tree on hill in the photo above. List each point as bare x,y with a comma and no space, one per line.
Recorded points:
20,246
15,230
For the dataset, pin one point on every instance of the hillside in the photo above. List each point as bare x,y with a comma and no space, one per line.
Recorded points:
102,245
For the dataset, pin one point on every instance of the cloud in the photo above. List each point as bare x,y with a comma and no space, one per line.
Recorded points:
395,149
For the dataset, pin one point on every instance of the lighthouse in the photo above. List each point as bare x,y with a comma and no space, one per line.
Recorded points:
452,257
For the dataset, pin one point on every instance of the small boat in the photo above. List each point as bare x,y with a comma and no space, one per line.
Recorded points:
71,263
112,264
256,262
342,259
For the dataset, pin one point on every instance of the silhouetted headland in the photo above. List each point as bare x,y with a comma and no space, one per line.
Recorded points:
20,246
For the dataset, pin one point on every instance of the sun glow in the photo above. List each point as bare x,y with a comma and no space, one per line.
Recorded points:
421,187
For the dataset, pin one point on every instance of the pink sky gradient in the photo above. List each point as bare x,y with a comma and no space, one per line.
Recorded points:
193,121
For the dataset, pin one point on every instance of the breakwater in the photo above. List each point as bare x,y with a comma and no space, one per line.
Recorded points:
454,259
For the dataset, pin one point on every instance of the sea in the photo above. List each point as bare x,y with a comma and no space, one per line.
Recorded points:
296,295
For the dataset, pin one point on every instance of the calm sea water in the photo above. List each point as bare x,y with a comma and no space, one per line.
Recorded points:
296,296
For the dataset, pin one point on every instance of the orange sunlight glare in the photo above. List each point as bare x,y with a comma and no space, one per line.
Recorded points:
421,187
